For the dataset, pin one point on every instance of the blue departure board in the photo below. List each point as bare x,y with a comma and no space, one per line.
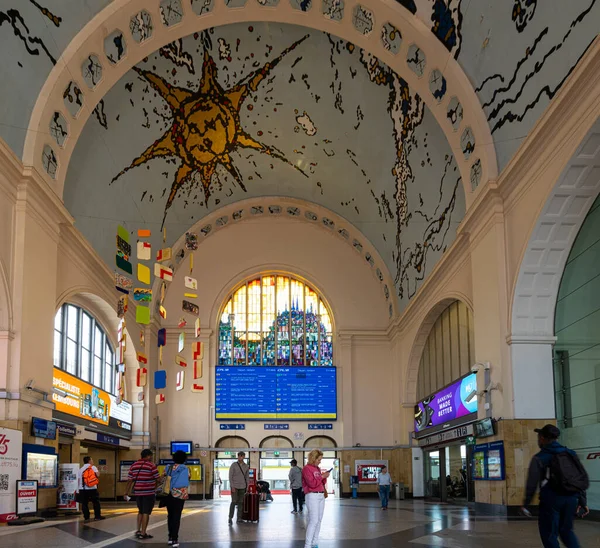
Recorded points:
286,393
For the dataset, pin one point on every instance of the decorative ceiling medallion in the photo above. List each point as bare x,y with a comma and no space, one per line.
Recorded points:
391,38
115,47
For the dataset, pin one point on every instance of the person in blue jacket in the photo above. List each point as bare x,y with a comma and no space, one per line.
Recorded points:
180,482
557,510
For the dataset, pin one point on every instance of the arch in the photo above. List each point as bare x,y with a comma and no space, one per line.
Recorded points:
543,262
117,15
412,371
241,212
320,442
276,442
232,442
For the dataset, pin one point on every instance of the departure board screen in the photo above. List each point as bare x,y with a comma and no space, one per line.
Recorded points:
285,393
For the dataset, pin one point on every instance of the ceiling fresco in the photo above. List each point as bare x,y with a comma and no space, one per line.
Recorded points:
33,35
517,53
245,111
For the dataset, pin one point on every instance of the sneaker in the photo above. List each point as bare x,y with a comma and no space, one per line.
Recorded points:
170,542
300,512
294,512
176,544
87,520
99,518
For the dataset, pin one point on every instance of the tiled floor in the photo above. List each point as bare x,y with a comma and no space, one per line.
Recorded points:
346,523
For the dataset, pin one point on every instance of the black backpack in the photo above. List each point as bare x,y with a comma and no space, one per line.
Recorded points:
567,474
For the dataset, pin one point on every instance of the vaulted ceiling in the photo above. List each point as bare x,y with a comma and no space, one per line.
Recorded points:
252,110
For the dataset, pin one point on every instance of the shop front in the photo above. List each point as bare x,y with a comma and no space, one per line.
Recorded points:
444,430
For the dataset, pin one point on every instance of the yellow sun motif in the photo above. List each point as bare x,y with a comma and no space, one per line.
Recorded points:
206,126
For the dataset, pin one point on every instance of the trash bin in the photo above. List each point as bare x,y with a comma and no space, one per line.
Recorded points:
399,488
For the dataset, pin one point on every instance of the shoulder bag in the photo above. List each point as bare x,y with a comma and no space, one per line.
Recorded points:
130,490
164,487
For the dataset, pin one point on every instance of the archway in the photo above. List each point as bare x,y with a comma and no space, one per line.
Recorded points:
538,281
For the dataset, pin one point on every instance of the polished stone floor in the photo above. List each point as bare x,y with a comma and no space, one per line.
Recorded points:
347,523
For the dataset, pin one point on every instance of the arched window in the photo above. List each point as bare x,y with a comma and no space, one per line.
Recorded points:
275,320
82,348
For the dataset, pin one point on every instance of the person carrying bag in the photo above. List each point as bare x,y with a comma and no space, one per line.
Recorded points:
177,480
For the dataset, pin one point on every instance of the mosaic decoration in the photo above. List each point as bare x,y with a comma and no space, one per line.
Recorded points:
115,47
58,128
216,111
391,38
268,3
437,85
73,99
363,19
91,70
200,7
265,113
475,174
171,12
416,60
140,26
333,9
235,3
455,113
467,142
49,161
302,5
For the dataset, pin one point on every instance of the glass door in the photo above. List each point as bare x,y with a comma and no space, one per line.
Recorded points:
432,474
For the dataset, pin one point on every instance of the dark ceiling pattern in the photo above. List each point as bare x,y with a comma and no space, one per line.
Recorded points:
258,110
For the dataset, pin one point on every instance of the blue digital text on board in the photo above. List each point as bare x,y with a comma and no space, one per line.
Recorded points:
281,393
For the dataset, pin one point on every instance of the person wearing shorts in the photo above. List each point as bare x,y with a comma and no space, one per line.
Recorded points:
142,480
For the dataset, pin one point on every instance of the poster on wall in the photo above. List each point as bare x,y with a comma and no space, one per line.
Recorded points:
67,486
43,468
368,470
455,401
11,448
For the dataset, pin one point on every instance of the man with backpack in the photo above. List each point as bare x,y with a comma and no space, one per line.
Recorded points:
563,482
88,489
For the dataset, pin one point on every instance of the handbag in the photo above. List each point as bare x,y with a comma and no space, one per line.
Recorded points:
180,493
164,487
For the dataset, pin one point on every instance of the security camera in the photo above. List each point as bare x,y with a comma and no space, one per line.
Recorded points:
475,368
30,385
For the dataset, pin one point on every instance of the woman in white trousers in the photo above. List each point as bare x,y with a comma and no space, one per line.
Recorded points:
313,485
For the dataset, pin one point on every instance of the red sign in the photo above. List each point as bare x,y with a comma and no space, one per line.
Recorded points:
593,456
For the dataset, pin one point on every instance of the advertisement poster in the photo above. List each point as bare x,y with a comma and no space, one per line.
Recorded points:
42,468
67,486
27,492
455,401
80,398
11,447
368,470
479,465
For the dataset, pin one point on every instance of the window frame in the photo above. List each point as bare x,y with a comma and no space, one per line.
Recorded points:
104,342
322,333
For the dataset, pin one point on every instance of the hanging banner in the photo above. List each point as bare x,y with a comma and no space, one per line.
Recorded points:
11,451
67,486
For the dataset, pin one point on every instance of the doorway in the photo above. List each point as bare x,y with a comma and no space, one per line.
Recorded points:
448,475
275,471
221,466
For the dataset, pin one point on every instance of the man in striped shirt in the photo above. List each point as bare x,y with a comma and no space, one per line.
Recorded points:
142,481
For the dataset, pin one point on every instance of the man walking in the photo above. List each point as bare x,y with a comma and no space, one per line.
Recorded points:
141,482
563,482
238,483
88,479
295,477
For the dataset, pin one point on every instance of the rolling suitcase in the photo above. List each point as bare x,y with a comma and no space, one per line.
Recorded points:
250,507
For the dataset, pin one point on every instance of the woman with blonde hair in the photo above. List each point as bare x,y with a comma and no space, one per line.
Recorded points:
313,485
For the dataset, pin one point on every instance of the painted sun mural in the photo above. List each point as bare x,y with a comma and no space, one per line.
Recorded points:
206,126
245,111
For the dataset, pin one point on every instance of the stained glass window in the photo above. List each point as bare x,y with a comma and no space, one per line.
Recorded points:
275,320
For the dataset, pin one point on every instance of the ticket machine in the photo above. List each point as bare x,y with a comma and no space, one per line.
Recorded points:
252,477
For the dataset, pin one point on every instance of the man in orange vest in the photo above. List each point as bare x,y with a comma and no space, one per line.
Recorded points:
88,489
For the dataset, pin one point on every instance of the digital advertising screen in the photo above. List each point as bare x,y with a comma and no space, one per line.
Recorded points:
81,403
455,401
41,428
284,393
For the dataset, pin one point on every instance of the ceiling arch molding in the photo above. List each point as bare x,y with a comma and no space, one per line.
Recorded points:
294,210
40,149
412,371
